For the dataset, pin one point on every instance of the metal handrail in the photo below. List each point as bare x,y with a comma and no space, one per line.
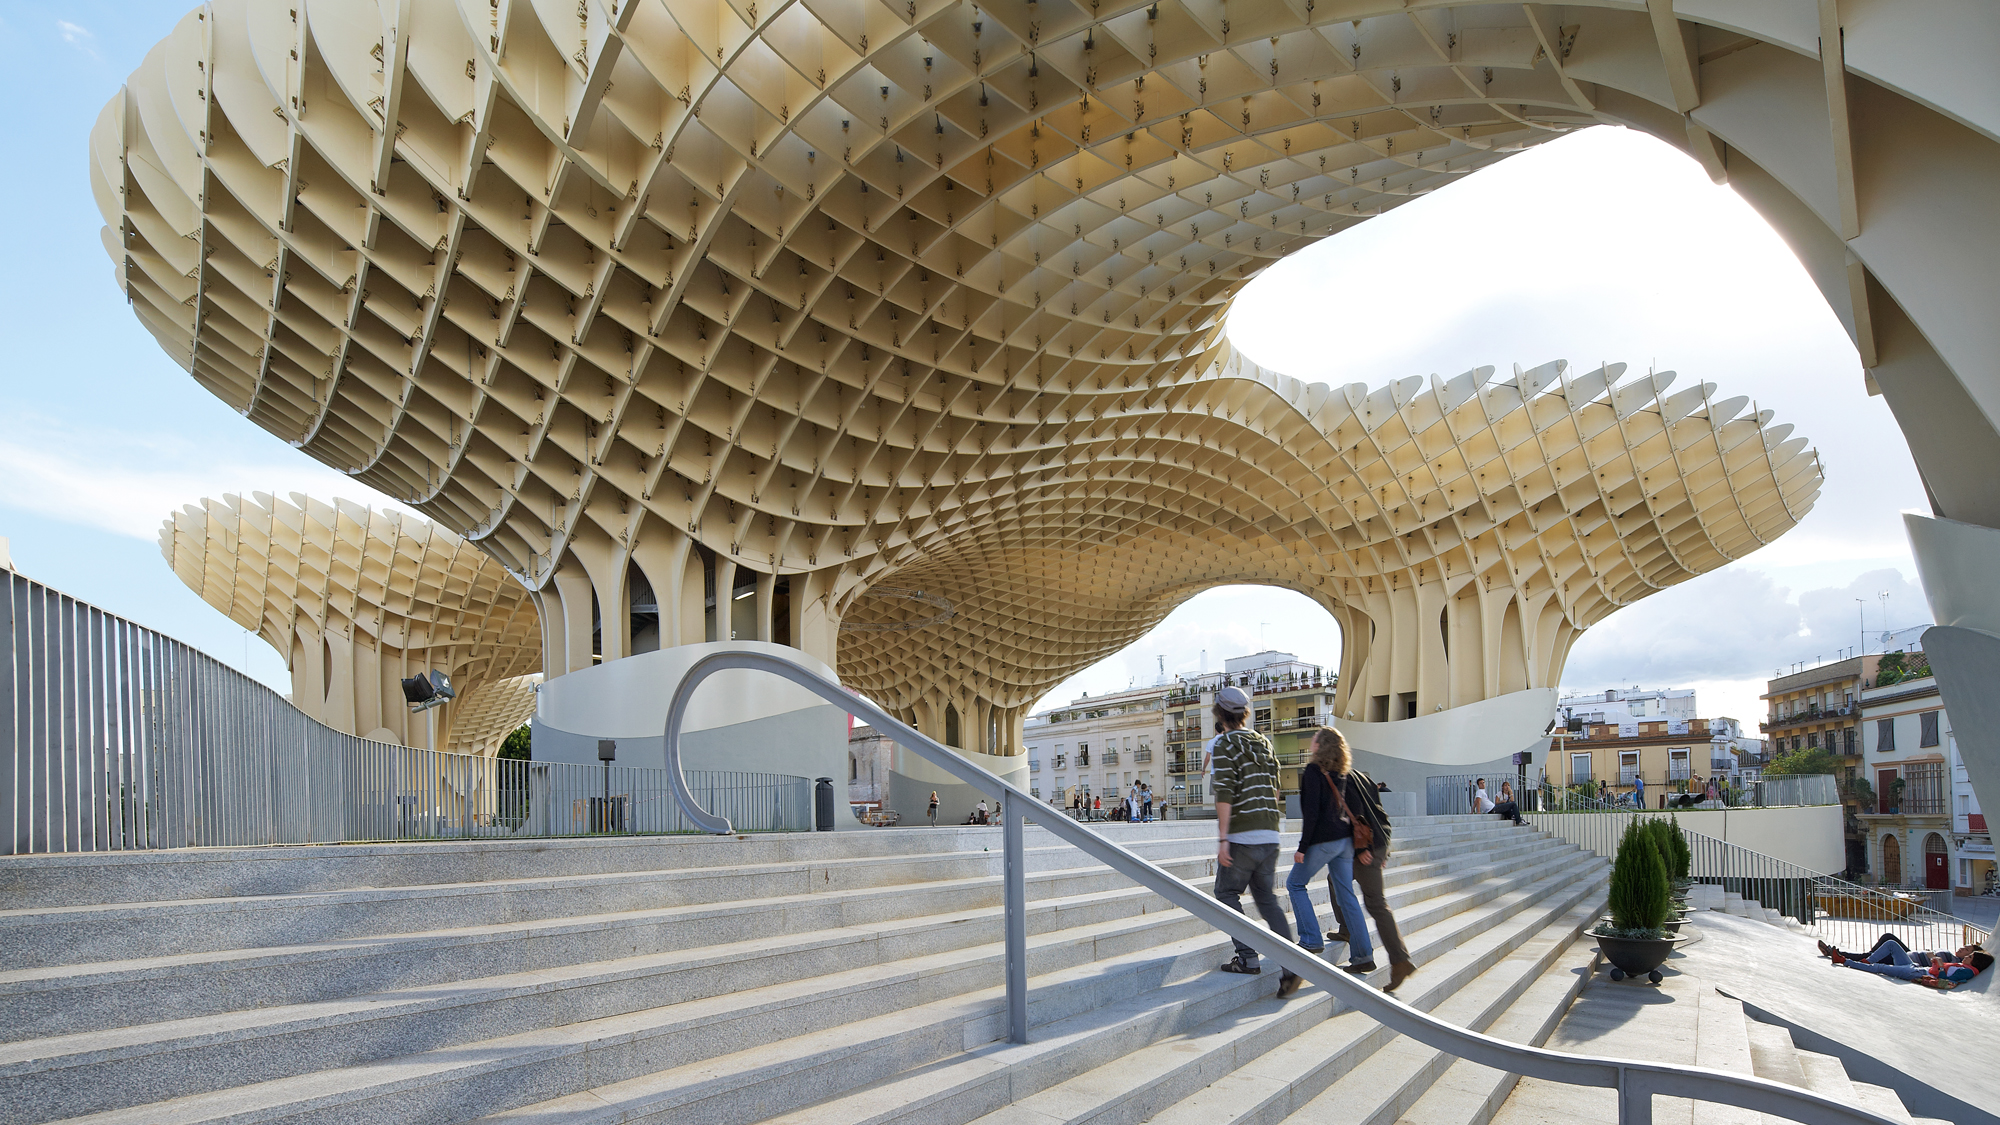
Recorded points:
1635,1081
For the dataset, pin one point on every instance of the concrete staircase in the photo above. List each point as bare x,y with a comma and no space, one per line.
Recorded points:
1774,1056
1684,1020
832,978
1708,896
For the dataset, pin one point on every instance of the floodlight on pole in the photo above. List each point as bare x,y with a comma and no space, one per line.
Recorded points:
424,693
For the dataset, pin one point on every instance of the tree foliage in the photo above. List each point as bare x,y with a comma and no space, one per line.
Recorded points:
1681,859
1640,892
1811,759
516,746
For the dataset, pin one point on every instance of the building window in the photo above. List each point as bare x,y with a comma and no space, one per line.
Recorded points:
1885,736
1927,729
1579,769
1812,740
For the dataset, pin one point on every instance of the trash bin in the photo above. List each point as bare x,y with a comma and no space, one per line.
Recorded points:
823,804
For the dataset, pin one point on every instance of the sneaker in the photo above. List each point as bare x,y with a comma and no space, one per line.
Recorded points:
1236,965
1288,983
1825,950
1315,950
1837,958
1340,938
1399,972
1359,968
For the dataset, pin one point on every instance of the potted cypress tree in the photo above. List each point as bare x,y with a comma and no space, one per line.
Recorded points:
1635,938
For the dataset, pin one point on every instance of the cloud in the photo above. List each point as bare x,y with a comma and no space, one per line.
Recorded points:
1736,624
78,36
129,483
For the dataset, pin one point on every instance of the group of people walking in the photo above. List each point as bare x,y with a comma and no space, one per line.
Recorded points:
1345,833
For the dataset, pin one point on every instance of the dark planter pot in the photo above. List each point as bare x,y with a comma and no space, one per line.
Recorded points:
1632,957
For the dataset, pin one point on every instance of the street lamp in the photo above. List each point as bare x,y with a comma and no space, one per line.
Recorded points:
426,693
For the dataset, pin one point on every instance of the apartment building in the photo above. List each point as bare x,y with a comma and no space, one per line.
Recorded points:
1289,700
1619,704
1671,755
1101,745
1971,842
1906,798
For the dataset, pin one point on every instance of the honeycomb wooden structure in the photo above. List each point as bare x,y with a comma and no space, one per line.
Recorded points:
894,330
356,600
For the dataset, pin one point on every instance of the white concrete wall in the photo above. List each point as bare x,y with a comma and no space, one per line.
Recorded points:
1808,835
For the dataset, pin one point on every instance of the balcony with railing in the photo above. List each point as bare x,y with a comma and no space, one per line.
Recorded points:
1813,714
1034,765
1924,790
1108,758
1142,755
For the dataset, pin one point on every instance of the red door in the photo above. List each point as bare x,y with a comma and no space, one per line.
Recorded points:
1936,878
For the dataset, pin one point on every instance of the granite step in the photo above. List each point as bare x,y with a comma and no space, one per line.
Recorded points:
1128,1039
508,1069
69,999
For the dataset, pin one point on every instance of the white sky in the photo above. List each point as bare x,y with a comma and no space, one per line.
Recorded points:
1605,245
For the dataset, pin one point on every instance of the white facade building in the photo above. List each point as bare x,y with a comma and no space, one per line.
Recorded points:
1103,744
1621,704
1971,842
1904,738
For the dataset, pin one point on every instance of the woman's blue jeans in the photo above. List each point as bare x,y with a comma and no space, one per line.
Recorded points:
1337,857
1890,960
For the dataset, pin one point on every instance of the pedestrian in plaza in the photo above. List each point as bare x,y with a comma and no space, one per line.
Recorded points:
1146,806
1247,815
1481,803
1097,807
933,812
1639,790
1327,841
1508,807
982,810
1365,804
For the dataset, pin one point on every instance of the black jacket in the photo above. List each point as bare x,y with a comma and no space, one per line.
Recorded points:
1322,814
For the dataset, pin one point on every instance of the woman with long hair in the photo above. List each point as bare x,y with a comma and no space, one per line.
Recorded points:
1334,799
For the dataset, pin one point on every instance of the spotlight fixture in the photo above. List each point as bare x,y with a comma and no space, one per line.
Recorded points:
425,692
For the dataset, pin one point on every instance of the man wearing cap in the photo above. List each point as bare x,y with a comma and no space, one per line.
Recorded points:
1247,815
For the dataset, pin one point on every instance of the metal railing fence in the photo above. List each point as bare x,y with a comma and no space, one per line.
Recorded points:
1636,1081
1771,792
119,738
1451,794
1844,914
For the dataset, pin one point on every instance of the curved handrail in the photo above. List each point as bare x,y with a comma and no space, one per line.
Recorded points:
1636,1081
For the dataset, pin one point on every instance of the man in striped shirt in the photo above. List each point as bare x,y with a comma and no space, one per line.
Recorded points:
1247,815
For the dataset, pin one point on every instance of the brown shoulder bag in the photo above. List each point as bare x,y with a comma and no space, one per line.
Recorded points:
1364,836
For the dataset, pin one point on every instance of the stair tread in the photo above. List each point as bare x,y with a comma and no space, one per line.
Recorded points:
643,1087
1142,1071
1489,903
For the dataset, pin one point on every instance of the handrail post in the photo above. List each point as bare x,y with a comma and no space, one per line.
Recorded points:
1635,1098
1014,912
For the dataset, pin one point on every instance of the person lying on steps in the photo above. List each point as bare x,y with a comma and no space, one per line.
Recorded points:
1891,958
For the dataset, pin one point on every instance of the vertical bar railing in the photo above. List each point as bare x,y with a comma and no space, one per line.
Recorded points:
1841,913
122,738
